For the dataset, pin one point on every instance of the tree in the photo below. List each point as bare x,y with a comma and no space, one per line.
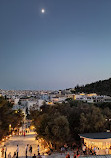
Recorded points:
99,87
57,131
8,116
92,121
60,123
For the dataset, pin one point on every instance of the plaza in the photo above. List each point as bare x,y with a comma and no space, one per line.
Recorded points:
30,139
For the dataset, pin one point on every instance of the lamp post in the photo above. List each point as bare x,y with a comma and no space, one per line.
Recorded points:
10,128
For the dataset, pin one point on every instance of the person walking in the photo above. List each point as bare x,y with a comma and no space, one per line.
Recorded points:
107,151
30,150
78,154
2,150
39,156
9,155
34,156
62,150
84,149
14,155
17,151
97,151
94,151
43,156
24,133
74,155
26,150
38,148
66,147
5,151
67,156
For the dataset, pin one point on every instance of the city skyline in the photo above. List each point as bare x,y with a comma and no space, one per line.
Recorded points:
65,45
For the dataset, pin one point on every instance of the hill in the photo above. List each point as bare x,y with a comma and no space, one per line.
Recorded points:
102,87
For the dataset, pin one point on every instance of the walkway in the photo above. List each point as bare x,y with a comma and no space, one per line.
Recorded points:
30,139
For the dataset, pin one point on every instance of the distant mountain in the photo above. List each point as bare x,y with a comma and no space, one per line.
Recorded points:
100,87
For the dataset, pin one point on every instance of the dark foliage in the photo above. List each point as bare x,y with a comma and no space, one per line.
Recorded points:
99,87
62,123
8,116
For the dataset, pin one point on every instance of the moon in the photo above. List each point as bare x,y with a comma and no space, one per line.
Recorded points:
43,11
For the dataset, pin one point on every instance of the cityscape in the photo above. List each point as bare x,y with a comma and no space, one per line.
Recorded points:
55,79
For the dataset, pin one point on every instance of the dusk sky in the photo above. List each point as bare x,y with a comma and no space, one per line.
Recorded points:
68,44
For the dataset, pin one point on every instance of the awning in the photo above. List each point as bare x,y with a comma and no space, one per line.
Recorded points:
101,135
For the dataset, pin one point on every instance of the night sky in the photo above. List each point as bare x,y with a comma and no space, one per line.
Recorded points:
67,45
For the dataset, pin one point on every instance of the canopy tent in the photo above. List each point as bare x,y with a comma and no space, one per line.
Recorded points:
99,140
96,156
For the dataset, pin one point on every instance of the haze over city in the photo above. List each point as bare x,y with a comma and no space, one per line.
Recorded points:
54,44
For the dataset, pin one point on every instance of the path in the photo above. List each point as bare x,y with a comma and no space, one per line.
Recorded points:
30,139
22,142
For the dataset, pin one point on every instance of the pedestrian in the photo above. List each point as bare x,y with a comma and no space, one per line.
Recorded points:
2,150
26,150
17,151
84,149
106,151
66,147
34,156
94,151
9,155
43,156
30,150
73,145
67,156
97,151
24,133
38,148
77,150
39,156
78,155
14,155
91,150
5,151
74,155
62,150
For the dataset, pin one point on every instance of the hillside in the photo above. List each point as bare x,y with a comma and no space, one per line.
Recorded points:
100,87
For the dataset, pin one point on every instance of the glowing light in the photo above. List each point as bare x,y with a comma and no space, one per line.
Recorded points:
43,10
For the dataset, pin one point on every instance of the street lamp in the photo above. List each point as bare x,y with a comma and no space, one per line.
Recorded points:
10,127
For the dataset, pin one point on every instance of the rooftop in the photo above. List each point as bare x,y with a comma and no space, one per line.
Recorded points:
102,135
96,156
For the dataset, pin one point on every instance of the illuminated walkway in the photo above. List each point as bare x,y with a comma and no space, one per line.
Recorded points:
30,139
22,142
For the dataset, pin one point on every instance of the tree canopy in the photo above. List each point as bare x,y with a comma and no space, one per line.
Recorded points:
99,87
61,123
8,116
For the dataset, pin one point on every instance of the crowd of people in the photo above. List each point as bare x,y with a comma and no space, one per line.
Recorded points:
94,150
28,149
75,155
64,150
